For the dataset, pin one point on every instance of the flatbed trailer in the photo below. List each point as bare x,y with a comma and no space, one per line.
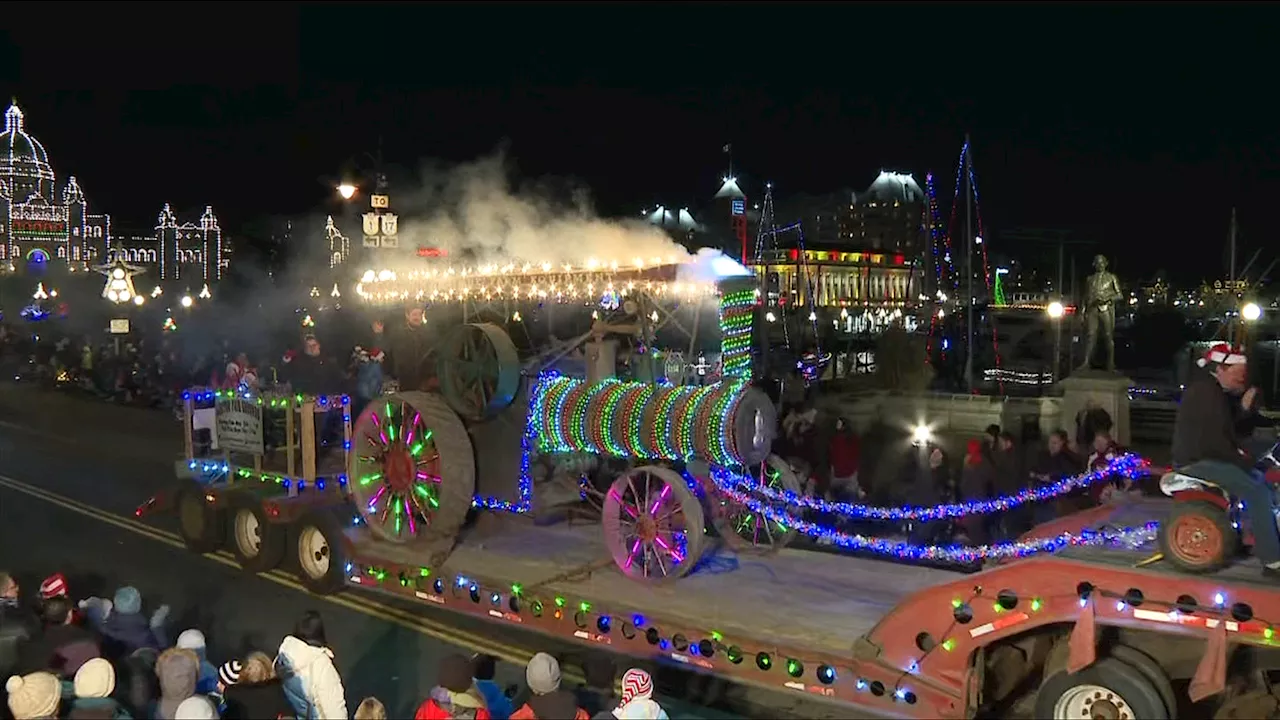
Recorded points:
885,638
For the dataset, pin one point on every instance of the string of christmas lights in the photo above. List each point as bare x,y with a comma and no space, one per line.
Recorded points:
1127,465
527,441
737,315
637,420
986,262
958,554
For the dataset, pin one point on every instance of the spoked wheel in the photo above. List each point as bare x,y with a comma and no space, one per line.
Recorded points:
653,524
1197,537
479,370
413,468
748,531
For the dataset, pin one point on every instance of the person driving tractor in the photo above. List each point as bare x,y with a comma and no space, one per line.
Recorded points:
1205,433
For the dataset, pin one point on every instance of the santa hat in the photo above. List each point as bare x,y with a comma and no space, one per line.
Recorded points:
1223,354
289,356
377,355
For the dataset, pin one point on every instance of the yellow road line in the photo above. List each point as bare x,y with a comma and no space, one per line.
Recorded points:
437,631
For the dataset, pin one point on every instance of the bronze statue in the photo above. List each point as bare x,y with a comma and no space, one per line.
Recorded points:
1102,291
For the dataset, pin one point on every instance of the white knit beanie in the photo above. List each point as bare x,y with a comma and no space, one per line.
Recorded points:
191,640
196,707
36,695
95,679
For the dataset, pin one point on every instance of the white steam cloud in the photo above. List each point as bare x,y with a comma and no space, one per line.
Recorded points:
477,217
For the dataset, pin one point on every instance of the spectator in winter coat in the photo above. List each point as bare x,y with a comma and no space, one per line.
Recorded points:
305,666
94,685
178,671
35,696
1115,488
977,476
63,647
137,684
930,482
1011,478
123,627
370,708
845,452
547,701
455,696
1052,464
17,625
193,640
483,670
56,586
251,690
599,696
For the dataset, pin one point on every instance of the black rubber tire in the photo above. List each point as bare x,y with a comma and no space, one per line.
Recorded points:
1125,681
1150,670
273,538
1221,522
200,522
334,577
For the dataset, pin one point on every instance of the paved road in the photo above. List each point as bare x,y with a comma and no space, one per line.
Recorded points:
71,474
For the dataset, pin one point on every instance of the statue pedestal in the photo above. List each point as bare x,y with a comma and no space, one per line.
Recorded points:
1109,391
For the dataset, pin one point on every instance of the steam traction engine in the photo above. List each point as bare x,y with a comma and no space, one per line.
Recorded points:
533,432
557,427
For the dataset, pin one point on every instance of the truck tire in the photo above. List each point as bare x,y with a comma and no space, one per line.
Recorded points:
1107,688
258,544
1151,670
321,553
1197,537
200,521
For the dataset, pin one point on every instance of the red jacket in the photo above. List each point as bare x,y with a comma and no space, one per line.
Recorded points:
431,710
845,452
526,713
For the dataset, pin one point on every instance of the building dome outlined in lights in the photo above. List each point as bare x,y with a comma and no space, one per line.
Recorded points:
24,164
893,187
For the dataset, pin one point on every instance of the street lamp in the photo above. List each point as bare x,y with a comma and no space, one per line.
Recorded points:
1251,312
187,301
347,191
1056,310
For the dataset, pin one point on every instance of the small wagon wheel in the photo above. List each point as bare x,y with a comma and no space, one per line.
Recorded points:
412,468
479,370
748,531
653,524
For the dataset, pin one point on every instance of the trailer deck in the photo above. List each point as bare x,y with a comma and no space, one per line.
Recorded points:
793,598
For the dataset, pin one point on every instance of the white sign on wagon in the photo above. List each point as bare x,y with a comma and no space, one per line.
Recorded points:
240,426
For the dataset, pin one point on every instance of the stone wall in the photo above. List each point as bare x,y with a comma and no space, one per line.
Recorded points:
945,413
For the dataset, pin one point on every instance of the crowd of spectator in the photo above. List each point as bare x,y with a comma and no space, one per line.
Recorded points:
828,456
104,659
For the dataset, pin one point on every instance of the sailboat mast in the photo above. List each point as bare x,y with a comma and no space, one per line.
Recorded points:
968,263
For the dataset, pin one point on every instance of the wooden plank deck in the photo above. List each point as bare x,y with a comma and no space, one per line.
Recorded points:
794,598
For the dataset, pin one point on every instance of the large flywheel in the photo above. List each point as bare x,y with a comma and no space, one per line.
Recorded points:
413,473
479,370
653,524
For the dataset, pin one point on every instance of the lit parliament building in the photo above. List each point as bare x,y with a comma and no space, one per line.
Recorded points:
863,249
44,227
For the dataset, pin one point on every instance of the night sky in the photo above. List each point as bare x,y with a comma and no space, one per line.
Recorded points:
1136,126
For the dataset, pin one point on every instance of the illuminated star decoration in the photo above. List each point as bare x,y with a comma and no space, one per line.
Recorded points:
119,287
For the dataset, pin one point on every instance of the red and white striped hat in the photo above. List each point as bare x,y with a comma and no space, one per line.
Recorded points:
1223,354
636,683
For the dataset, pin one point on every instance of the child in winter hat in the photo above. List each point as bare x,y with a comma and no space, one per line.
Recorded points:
193,640
34,696
94,684
196,707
